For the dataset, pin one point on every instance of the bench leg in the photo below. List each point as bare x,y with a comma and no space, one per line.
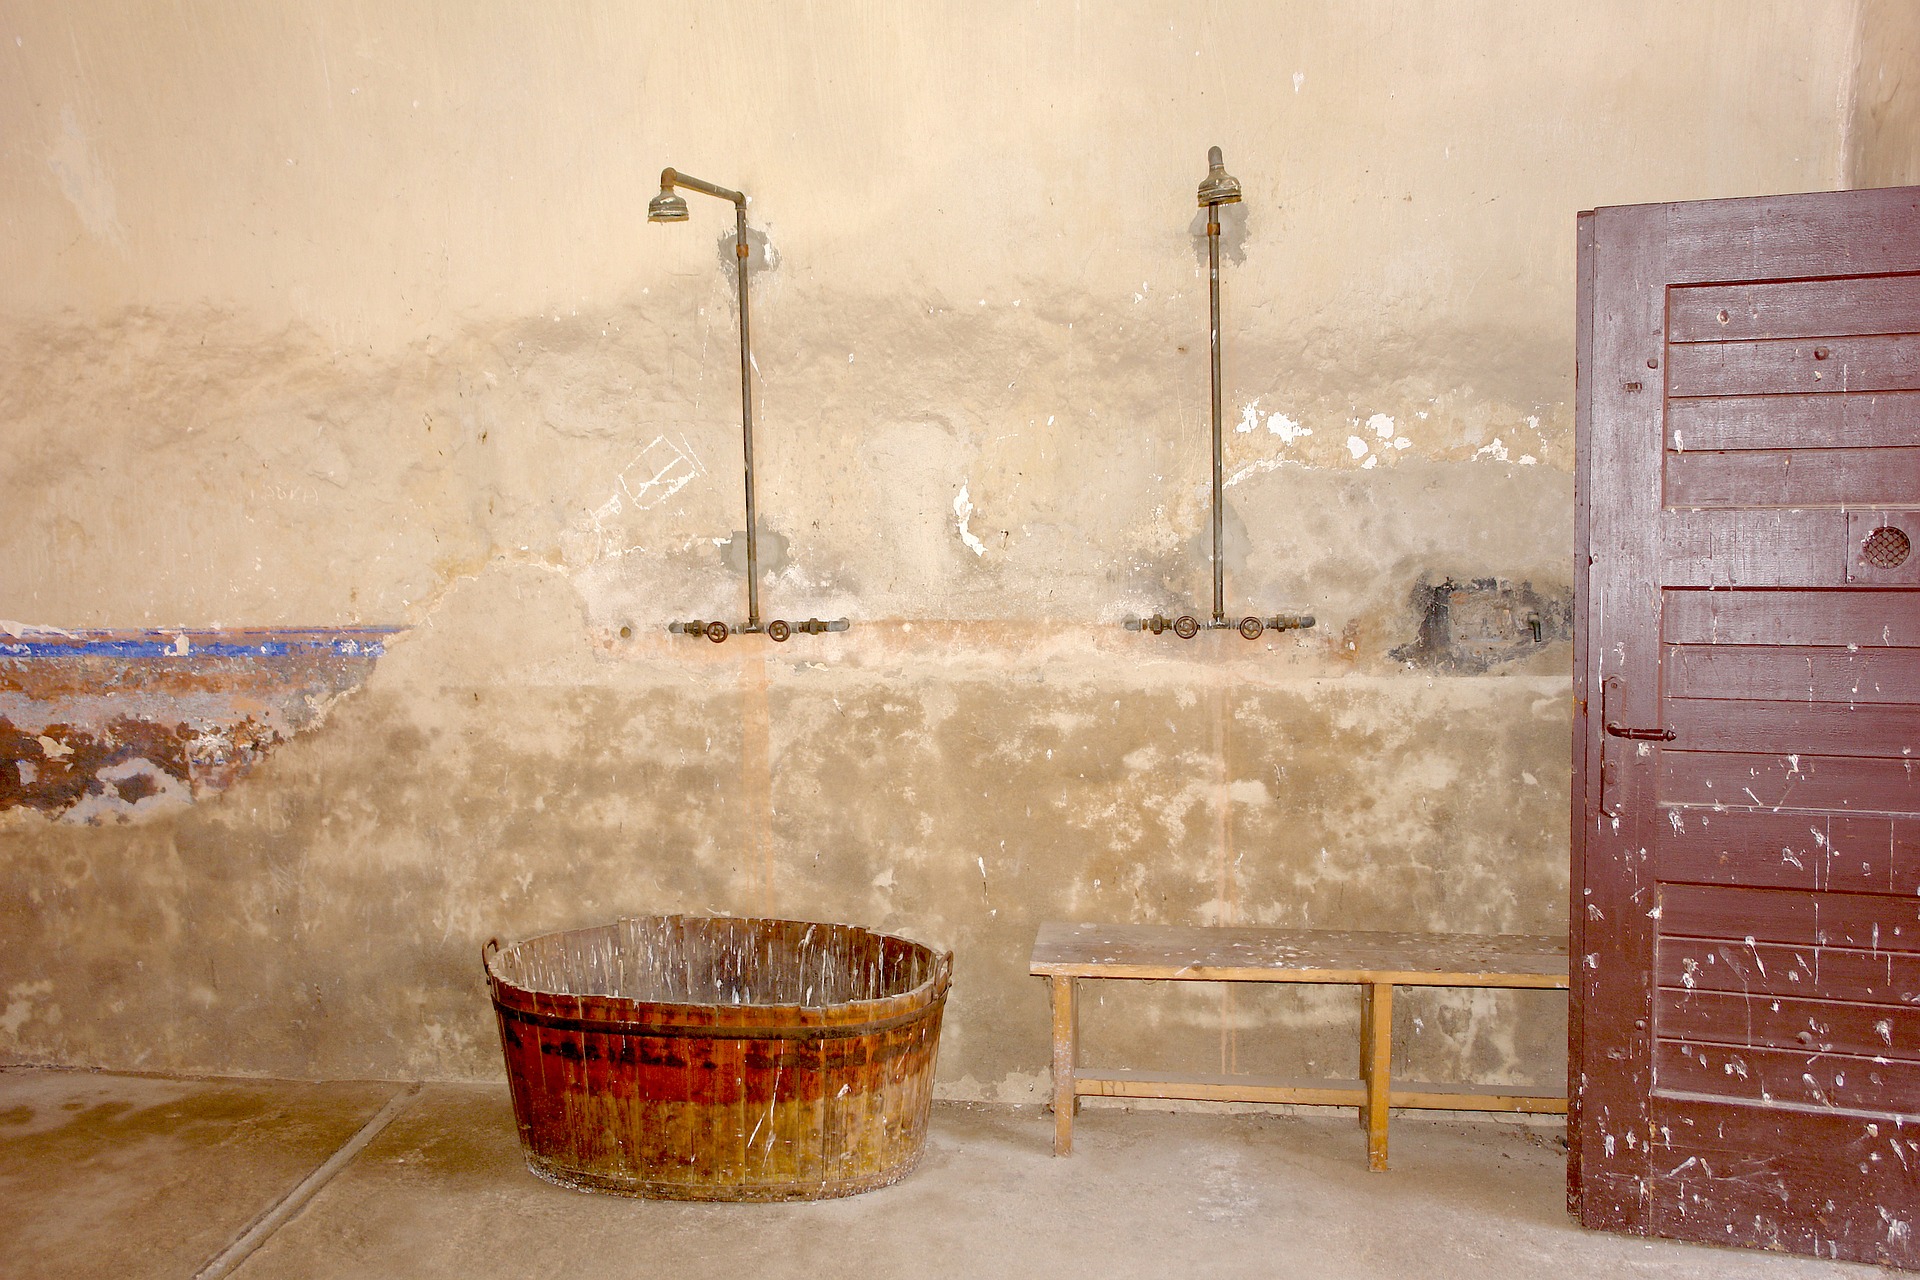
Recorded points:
1366,1044
1065,1031
1376,1067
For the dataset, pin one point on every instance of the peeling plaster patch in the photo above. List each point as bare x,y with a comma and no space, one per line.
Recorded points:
84,182
761,255
1382,426
1286,428
1289,430
20,1005
1357,447
133,788
773,548
1299,78
1258,468
116,726
963,513
1218,913
27,630
1278,423
1499,453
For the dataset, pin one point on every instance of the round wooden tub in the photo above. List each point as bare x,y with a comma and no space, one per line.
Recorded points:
713,1058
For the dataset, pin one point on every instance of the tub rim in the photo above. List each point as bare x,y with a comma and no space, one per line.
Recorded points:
624,1015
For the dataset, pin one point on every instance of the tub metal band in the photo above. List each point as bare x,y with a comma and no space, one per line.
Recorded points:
679,1032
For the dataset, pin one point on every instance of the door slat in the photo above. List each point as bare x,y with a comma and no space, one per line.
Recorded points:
1788,366
1807,728
1789,674
1853,420
1792,308
1786,1022
1873,922
1783,969
1756,478
1846,784
1865,618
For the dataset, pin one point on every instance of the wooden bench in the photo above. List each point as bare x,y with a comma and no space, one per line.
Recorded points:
1374,962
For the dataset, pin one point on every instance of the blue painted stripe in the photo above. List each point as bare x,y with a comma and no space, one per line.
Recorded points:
344,642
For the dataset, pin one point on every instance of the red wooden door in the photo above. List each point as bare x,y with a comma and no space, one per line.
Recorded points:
1745,1038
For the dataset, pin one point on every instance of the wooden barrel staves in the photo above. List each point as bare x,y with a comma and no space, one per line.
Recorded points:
715,1058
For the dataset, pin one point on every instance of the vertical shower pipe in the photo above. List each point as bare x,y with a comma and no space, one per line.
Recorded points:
1218,188
669,207
1215,164
746,416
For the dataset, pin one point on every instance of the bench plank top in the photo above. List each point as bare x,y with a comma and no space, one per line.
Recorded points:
1241,954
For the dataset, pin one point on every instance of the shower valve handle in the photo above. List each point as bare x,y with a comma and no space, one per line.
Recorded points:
1186,626
814,627
714,631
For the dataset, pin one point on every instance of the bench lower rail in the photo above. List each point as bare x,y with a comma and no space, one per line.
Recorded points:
1416,1096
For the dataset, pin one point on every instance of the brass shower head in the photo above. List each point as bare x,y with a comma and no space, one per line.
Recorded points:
668,206
1220,187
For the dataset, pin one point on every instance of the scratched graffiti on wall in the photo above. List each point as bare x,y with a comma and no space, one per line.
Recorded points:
105,726
655,474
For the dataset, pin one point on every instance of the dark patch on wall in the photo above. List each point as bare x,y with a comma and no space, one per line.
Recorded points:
1233,234
101,725
1468,628
60,766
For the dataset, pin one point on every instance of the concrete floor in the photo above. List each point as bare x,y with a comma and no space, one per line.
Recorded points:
135,1176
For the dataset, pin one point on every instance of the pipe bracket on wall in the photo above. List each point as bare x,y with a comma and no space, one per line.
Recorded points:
1187,626
670,206
1218,188
779,630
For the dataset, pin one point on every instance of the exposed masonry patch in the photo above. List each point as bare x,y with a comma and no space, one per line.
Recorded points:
100,726
1469,628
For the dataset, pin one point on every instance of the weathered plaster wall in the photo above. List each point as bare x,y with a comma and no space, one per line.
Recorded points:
1885,138
332,315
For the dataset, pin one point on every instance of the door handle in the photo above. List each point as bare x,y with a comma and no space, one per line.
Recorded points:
1639,735
1609,690
1611,763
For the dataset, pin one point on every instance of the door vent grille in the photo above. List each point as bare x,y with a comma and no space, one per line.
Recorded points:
1886,548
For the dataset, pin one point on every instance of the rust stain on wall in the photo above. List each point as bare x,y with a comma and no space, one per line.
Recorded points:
114,725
